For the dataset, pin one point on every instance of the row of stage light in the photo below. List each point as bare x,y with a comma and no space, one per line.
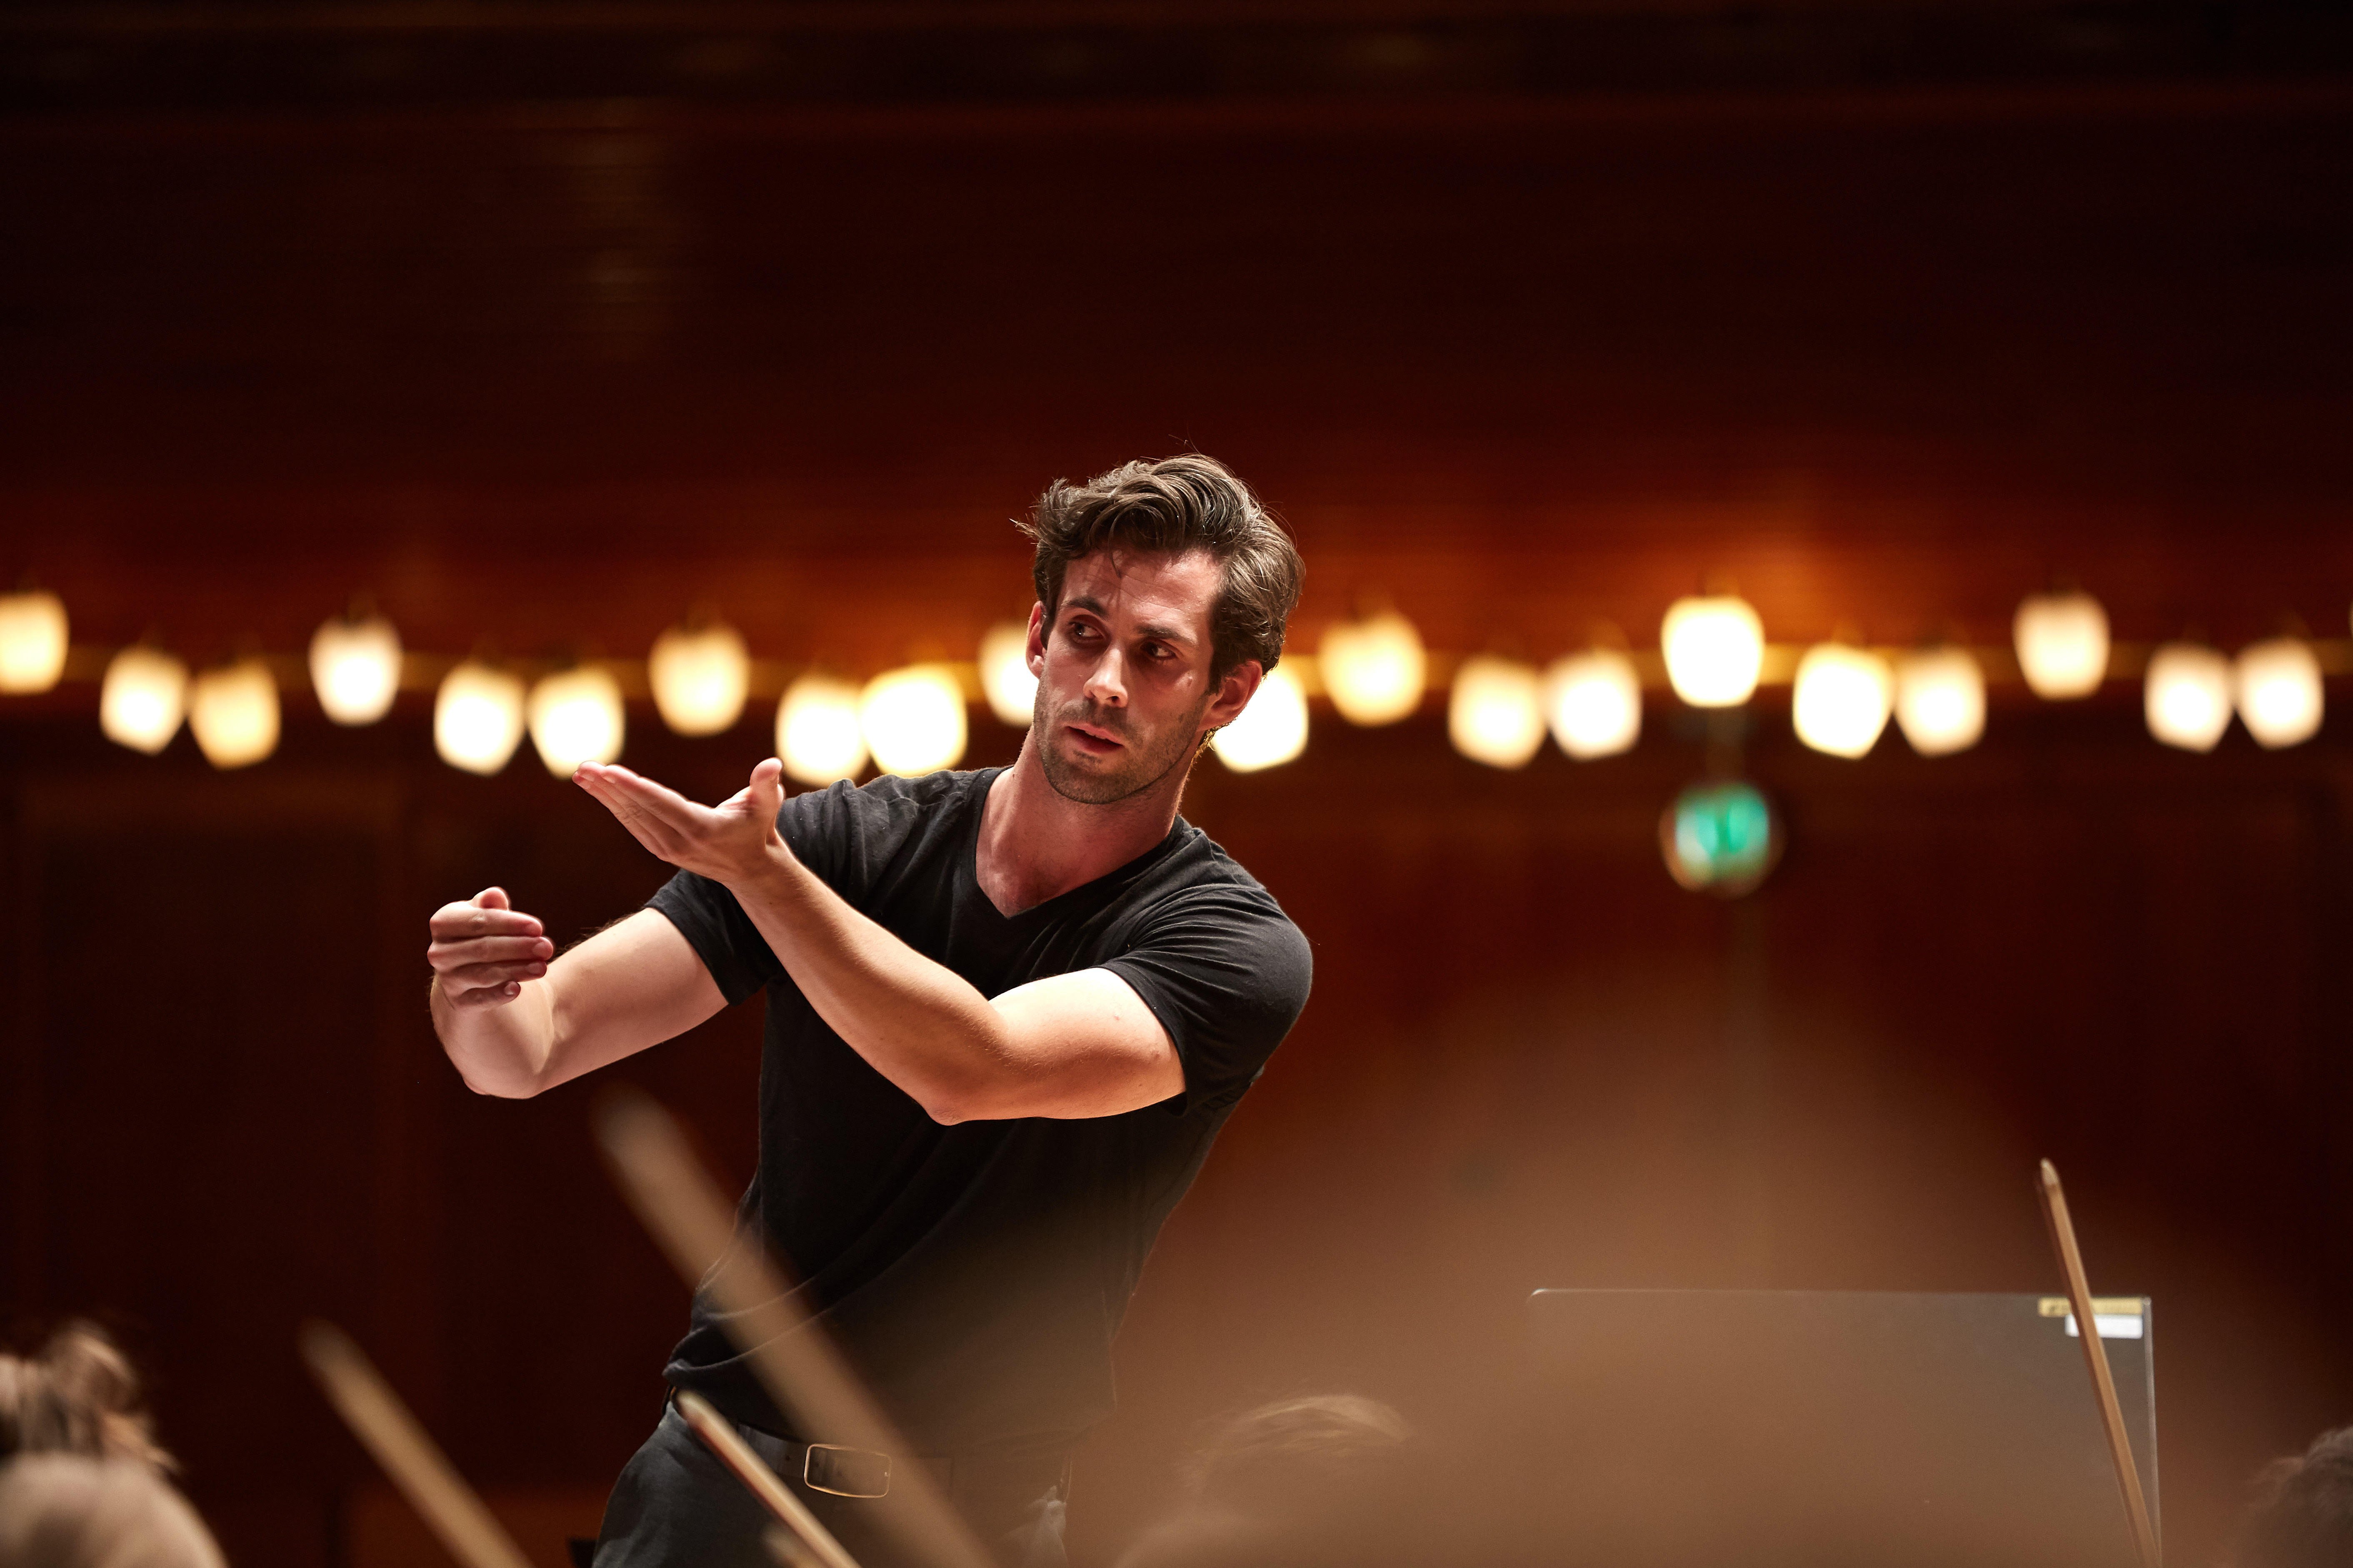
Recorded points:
1375,670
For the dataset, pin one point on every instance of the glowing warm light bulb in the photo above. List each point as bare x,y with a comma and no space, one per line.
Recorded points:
2279,691
2187,696
355,669
1593,701
1272,730
912,719
1373,669
575,717
478,718
144,698
1940,701
817,737
32,641
233,713
2062,644
1004,673
699,675
1842,698
1493,715
1714,647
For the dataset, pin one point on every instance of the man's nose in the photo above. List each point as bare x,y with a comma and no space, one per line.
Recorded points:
1107,681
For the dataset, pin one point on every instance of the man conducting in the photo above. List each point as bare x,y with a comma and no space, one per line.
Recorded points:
1008,1011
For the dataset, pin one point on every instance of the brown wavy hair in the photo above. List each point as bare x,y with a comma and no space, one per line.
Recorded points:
1169,506
2303,1512
79,1396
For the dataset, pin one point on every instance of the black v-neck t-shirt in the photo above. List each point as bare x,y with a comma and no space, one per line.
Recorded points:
975,1273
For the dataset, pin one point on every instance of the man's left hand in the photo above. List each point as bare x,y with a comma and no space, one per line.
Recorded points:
730,843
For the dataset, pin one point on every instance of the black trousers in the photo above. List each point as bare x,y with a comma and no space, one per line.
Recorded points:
676,1506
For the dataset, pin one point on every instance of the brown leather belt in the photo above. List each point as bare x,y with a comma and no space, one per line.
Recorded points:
839,1469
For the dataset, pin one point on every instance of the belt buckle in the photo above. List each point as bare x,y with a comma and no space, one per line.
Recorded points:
809,1471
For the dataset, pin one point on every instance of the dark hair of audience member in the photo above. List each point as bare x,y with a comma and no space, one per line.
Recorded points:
1295,1482
1275,1457
67,1510
78,1396
2303,1515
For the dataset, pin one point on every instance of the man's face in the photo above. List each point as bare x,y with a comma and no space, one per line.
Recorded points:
1124,687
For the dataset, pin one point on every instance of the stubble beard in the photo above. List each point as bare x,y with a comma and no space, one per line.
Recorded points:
1142,767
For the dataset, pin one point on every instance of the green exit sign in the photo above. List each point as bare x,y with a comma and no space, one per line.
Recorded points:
1720,837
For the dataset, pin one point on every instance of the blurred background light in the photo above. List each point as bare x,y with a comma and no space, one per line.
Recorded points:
2187,696
1714,648
575,717
1495,714
478,716
817,736
1373,669
1940,701
700,673
32,640
1720,837
2279,691
912,719
1842,698
233,713
1005,678
144,698
1272,730
2062,644
355,668
1593,701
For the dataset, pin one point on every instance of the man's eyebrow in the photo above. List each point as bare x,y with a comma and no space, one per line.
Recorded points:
1093,606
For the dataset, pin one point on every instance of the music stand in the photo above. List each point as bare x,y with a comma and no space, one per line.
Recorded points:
1744,1428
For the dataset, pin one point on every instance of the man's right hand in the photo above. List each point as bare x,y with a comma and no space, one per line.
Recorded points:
484,949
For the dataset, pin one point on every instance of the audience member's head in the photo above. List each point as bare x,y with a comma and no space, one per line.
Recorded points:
78,1396
65,1511
2303,1516
1300,1451
1297,1482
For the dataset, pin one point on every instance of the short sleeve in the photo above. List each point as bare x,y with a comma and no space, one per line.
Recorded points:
715,924
1226,973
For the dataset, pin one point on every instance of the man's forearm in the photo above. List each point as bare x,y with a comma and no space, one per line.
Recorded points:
501,1050
917,1023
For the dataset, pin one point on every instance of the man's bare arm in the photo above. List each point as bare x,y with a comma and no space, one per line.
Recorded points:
1074,1046
517,1022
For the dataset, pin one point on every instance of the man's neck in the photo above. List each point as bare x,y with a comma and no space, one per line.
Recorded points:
1036,844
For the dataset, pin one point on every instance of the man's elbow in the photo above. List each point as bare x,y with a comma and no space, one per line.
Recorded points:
970,1099
500,1086
948,1109
498,1079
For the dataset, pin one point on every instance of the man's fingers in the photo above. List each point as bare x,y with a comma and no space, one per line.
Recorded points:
644,825
476,976
609,783
470,919
487,996
645,829
449,955
765,793
493,898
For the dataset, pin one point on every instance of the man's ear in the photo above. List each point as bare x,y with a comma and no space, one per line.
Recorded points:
1234,692
1036,657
